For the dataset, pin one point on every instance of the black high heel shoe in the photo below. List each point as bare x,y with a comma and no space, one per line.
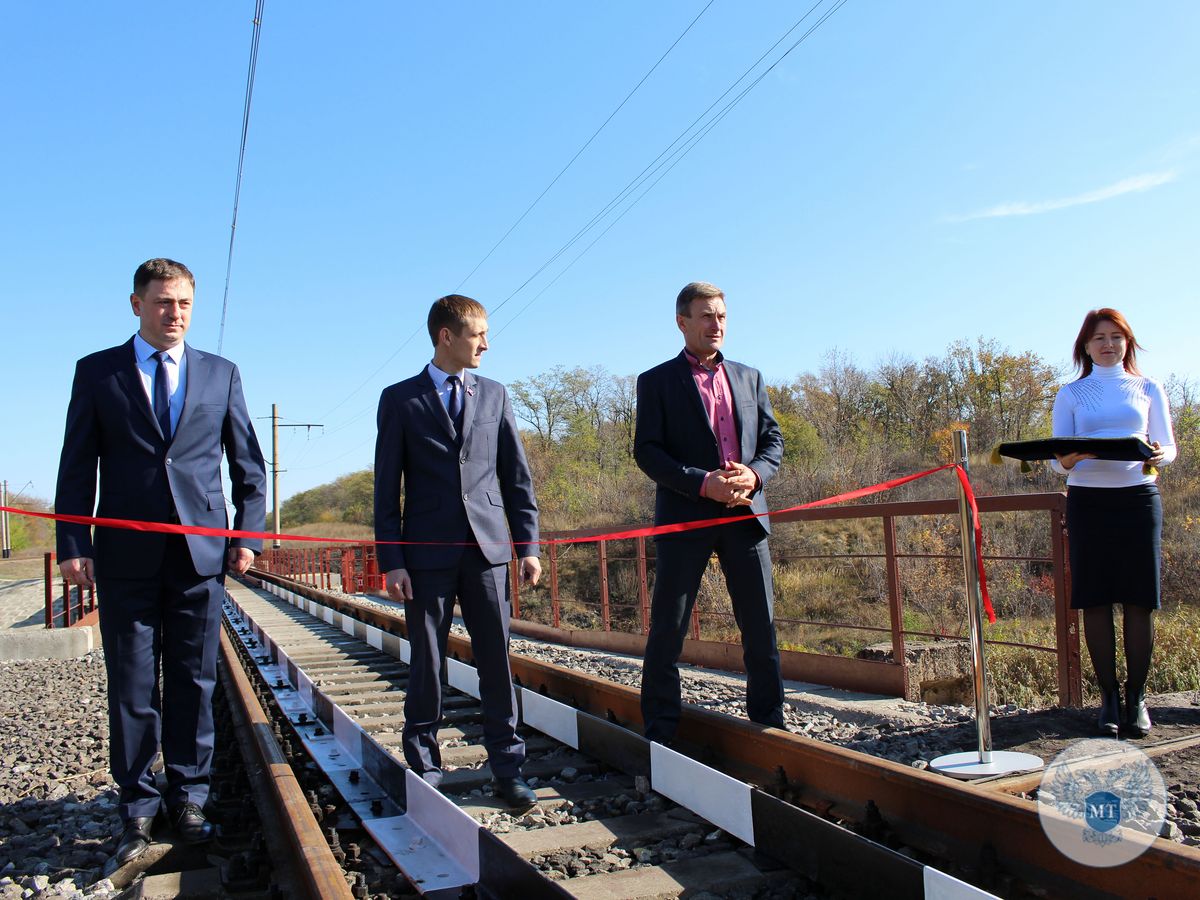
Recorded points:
1137,715
1109,722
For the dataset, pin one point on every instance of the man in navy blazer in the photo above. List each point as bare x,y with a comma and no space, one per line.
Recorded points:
452,479
155,416
707,436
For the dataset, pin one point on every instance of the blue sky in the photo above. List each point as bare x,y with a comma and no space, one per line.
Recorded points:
911,174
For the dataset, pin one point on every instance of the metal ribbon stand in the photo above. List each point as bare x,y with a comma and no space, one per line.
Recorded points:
983,762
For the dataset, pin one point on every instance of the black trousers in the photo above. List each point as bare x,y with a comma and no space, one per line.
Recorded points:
172,621
482,593
742,551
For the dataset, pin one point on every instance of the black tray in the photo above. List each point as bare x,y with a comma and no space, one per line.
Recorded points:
1128,449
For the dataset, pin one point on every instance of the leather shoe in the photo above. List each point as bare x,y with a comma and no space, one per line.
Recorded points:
134,839
1110,712
191,826
1137,716
514,791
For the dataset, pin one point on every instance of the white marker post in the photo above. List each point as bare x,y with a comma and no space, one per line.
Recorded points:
984,761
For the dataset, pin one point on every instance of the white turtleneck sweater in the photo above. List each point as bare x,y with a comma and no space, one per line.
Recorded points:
1112,403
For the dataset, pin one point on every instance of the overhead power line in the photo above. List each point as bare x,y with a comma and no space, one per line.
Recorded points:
531,206
237,189
657,169
586,144
677,149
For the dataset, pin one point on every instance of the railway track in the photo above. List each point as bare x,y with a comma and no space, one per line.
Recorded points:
733,809
600,833
267,845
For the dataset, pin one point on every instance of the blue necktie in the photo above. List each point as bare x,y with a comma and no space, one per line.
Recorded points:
455,406
162,394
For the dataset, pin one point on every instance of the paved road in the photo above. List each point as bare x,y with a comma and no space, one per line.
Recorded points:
23,603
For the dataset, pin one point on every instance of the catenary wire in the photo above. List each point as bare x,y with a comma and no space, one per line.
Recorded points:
648,171
237,189
674,153
673,157
586,144
535,202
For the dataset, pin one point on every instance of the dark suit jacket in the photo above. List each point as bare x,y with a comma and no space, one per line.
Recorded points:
674,443
109,421
477,489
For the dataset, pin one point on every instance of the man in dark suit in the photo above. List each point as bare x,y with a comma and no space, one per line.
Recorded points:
155,416
707,436
449,439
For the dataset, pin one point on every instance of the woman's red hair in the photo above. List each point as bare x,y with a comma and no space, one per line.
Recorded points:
1090,323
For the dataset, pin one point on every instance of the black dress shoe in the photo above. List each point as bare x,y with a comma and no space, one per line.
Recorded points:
1110,712
1137,717
515,792
134,839
190,824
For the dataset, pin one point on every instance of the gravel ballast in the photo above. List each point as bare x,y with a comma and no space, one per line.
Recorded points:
58,823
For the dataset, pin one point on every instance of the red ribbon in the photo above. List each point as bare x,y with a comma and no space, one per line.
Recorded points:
646,531
970,495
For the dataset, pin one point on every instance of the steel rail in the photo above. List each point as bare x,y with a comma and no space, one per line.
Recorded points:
289,823
977,828
1019,784
823,851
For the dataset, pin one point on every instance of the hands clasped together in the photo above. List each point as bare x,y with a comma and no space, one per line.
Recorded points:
732,485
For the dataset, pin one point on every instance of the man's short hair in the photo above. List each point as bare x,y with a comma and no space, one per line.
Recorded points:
697,290
160,270
453,311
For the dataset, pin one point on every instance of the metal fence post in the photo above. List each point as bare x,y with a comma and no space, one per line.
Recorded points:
554,607
602,553
514,576
1066,620
643,590
895,601
49,581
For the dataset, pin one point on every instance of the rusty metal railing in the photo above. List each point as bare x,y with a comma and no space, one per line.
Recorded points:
611,614
76,602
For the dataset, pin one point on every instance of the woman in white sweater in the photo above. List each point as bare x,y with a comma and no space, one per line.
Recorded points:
1114,513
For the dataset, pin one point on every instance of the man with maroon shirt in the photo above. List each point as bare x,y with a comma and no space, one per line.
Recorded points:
707,436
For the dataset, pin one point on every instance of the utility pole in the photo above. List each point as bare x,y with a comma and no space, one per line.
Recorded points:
5,534
275,470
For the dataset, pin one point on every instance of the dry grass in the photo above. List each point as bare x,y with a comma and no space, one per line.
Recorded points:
1017,674
332,530
1176,662
21,568
1029,677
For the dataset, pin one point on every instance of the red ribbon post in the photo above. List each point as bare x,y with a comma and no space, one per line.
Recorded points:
646,531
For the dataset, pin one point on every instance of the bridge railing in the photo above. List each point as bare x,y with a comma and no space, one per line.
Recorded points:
64,601
617,617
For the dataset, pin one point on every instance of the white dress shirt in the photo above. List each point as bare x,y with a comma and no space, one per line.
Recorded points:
176,375
441,381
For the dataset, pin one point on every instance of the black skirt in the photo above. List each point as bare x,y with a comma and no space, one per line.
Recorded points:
1115,537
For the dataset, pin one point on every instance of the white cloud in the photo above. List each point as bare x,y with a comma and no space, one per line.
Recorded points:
1026,208
1181,149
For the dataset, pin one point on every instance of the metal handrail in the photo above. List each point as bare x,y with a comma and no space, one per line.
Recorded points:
358,563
